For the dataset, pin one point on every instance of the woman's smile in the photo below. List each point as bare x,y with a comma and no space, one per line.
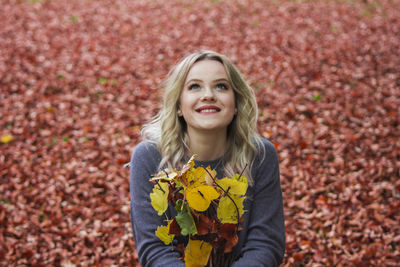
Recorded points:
208,109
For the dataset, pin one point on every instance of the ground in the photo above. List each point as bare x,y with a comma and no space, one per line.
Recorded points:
79,78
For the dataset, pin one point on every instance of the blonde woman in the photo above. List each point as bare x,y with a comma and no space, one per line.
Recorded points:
209,110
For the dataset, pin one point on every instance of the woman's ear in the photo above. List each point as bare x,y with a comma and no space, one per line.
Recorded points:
236,111
179,112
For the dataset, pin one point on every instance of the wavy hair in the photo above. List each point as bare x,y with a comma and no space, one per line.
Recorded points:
168,131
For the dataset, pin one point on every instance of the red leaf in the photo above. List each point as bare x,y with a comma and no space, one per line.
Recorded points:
174,228
228,231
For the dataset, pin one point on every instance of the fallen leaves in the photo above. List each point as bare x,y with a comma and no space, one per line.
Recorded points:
78,78
6,138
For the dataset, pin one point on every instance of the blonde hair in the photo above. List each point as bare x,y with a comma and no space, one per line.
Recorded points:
167,129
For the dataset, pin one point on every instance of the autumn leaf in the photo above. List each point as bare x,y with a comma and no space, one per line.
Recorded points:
195,177
162,232
197,253
165,175
174,228
204,225
199,198
189,165
185,219
198,194
227,212
210,176
240,178
159,197
185,169
6,138
233,185
229,233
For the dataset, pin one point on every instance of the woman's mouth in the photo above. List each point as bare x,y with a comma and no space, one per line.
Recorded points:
208,109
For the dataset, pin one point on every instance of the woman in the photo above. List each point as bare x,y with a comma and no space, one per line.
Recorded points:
209,110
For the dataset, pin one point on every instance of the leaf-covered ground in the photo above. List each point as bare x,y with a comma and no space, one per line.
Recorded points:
79,78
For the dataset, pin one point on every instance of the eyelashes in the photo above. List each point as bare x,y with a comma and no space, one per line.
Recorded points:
221,86
218,86
194,86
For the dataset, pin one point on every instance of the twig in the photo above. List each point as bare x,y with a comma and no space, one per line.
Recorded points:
166,173
240,175
177,190
160,186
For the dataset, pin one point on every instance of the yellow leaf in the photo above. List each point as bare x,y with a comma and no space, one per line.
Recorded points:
166,175
185,169
199,198
159,197
227,212
162,233
196,177
240,178
189,165
197,253
208,179
136,127
6,138
50,109
233,186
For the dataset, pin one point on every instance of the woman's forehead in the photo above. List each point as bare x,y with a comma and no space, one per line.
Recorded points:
207,69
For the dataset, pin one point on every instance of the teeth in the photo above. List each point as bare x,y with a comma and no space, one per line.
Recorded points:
208,110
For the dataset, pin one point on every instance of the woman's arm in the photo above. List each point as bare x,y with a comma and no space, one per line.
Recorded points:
144,219
265,244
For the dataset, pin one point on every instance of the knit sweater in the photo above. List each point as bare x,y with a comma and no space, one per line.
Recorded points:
262,239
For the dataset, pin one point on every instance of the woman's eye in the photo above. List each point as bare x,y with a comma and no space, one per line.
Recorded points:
221,86
194,86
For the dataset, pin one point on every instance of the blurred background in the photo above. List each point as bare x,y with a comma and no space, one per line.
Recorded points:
79,78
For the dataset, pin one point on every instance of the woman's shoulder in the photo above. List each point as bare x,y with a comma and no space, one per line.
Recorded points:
266,162
145,145
146,150
265,147
266,157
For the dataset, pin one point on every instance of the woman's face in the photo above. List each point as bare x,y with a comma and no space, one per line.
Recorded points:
207,100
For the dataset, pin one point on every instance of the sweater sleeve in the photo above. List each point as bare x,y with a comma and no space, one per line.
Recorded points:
265,242
144,219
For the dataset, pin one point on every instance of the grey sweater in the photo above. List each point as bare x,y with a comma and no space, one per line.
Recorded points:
262,239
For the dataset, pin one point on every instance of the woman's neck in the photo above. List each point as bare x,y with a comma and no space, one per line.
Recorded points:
207,146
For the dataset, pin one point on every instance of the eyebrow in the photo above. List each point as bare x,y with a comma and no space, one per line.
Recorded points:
217,80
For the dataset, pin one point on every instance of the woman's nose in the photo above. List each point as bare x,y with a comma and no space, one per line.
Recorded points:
208,94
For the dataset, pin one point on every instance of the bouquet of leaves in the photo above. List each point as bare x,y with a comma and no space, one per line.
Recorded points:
209,212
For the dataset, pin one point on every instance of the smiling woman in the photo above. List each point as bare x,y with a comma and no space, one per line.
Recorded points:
209,110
